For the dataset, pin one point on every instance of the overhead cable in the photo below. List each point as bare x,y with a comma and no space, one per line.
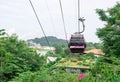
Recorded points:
53,25
78,16
80,19
40,23
63,20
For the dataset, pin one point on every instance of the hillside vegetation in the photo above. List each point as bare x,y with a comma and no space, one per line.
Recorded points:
55,41
52,40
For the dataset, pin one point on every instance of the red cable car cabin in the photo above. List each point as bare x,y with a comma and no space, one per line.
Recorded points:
77,43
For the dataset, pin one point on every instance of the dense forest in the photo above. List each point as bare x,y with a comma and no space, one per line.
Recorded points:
19,63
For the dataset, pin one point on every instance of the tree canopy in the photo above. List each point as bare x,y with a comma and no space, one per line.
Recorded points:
16,57
110,33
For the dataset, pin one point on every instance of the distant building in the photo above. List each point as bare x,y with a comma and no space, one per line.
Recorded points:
41,50
51,59
33,45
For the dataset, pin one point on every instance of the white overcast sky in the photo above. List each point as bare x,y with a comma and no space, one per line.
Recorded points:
16,16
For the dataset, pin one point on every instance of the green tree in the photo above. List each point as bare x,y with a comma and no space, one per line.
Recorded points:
58,49
97,45
2,32
110,34
16,57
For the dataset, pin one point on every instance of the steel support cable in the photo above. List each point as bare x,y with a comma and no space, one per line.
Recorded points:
78,16
40,23
63,20
50,16
80,19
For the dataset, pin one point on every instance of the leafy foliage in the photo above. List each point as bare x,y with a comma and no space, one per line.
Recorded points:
2,32
46,76
16,57
106,69
91,45
110,34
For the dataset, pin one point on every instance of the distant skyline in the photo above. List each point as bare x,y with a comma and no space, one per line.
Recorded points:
16,16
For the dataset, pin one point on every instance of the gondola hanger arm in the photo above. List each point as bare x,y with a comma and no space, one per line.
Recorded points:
82,20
